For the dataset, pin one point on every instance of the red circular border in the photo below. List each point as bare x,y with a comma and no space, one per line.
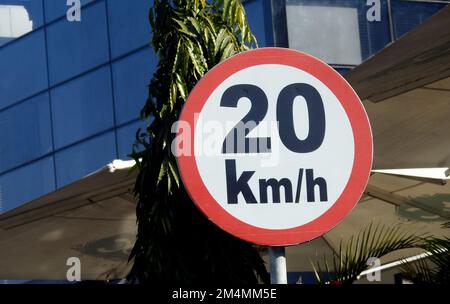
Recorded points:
362,138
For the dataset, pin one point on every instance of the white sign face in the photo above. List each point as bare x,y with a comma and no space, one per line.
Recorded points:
282,146
323,173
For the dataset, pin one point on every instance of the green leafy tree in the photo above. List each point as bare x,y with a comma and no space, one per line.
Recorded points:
175,242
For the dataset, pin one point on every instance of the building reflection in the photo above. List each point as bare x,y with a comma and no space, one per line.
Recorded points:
15,21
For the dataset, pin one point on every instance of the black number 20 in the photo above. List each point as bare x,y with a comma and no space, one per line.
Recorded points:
285,117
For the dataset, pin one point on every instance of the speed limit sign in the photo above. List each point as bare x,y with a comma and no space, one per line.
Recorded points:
274,146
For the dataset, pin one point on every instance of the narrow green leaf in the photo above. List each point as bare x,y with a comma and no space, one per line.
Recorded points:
181,86
195,24
174,172
183,28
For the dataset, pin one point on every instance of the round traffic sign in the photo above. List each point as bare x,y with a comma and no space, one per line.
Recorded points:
274,146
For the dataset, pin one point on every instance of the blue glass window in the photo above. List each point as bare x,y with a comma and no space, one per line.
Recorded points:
58,8
75,162
128,25
337,31
27,183
82,107
18,17
131,77
23,68
408,14
260,21
25,132
126,137
74,47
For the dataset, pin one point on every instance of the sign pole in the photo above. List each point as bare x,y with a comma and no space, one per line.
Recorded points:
277,260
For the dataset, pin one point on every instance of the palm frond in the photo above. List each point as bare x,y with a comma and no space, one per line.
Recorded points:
373,241
435,268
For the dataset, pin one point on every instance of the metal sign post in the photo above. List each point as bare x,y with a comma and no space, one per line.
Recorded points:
277,260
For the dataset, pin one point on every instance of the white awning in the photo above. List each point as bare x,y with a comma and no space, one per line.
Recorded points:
405,89
92,219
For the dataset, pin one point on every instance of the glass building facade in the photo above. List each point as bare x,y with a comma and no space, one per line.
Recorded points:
71,92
